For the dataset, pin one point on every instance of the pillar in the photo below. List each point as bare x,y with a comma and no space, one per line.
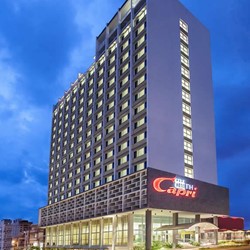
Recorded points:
148,240
130,231
114,232
198,234
175,231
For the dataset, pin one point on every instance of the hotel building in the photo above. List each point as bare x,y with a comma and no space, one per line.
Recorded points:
132,158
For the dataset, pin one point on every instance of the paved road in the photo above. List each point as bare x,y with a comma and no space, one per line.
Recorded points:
237,248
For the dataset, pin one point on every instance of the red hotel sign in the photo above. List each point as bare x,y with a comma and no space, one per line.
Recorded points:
175,186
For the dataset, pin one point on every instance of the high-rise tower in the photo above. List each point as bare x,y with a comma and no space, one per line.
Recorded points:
135,134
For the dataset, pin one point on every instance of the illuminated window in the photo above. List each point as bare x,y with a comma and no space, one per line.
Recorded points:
123,146
140,137
123,159
184,49
123,173
186,96
140,152
187,133
95,233
110,141
185,60
185,84
109,154
140,80
84,233
109,178
187,121
185,72
140,41
124,81
183,37
186,108
110,94
189,172
109,167
123,132
188,146
188,159
124,57
140,122
140,94
124,119
140,67
140,108
183,25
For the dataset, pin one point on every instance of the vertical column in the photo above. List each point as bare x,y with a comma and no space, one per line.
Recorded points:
101,231
197,234
90,233
114,232
130,231
148,239
175,231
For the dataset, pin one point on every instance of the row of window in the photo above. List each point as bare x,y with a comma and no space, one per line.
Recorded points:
186,101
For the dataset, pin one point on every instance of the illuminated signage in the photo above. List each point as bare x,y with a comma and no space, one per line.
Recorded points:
175,186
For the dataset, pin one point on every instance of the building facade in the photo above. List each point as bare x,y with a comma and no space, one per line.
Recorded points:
5,234
132,157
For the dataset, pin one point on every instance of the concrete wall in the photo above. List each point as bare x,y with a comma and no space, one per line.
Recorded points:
165,129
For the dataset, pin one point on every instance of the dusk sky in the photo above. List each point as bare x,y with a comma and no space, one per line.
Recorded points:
44,44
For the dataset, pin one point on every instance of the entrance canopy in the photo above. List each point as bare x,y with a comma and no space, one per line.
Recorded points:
189,227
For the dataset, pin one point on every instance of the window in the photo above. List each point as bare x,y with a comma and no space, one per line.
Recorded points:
183,37
185,60
110,117
140,152
123,146
123,173
140,122
140,67
124,93
124,119
187,121
140,41
109,154
110,105
124,57
140,94
140,29
123,159
185,72
185,84
110,94
110,141
188,146
125,45
188,159
186,108
123,132
140,166
109,167
124,81
140,108
140,137
97,172
186,96
124,105
108,178
187,133
140,80
124,68
110,129
183,25
189,172
184,49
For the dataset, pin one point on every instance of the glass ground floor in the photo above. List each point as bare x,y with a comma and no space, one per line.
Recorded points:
140,229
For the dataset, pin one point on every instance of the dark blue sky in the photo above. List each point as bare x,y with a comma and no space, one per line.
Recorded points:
43,46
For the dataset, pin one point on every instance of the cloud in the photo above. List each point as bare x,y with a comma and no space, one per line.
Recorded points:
89,19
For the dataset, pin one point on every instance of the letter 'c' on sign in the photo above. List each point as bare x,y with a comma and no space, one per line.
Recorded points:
157,183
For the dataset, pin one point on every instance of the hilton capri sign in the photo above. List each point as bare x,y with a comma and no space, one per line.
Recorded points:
175,186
